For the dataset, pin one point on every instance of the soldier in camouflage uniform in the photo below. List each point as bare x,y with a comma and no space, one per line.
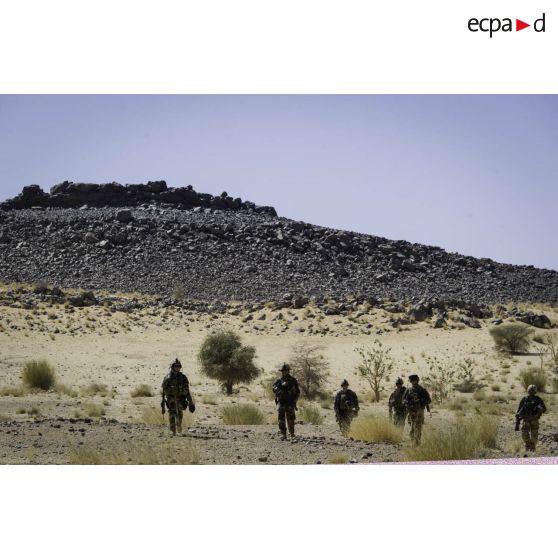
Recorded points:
346,407
397,410
531,407
286,392
176,396
415,400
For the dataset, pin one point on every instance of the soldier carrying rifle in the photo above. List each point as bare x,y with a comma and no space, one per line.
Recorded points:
346,407
531,407
176,396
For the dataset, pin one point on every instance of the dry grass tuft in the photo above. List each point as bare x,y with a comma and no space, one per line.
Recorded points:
38,374
311,414
143,390
242,414
375,429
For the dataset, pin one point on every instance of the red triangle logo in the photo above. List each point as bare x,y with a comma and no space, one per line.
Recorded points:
519,25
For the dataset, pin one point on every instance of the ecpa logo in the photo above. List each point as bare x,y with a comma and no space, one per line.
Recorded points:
493,25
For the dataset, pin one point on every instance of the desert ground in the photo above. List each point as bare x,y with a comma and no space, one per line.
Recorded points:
101,356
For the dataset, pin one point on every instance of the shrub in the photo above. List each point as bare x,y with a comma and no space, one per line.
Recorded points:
62,388
143,390
458,441
375,366
242,414
96,389
310,367
94,410
14,391
440,379
38,374
487,428
466,374
311,414
513,338
337,459
479,395
223,357
375,429
533,376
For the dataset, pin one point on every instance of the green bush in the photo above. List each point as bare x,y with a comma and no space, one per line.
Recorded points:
375,429
223,357
311,414
242,414
38,374
513,338
533,376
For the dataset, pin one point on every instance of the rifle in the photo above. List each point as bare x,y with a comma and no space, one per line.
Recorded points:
163,404
176,410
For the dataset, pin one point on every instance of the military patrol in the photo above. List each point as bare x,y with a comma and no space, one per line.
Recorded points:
396,407
415,400
176,396
346,407
286,392
531,407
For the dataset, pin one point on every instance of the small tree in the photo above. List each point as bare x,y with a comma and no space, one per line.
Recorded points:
375,366
223,357
310,367
440,380
514,338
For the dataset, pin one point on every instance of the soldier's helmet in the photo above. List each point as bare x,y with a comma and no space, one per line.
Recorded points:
532,389
344,383
399,382
414,378
176,364
285,368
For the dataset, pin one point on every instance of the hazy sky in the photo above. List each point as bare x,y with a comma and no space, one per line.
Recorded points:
473,174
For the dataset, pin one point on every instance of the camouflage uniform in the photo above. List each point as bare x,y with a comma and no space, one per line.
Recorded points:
346,409
397,410
416,399
286,392
176,393
531,407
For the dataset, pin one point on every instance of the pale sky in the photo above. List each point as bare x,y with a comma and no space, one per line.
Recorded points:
473,174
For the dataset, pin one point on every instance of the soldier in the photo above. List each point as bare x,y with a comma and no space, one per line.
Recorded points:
176,396
531,407
415,400
286,392
346,407
397,410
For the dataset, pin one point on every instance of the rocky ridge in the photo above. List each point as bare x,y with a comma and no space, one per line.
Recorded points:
157,240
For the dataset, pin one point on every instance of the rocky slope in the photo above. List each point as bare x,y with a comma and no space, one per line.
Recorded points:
150,238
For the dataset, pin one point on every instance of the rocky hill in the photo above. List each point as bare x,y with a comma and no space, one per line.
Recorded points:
151,238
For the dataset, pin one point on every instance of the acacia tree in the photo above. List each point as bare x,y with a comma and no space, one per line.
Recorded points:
375,366
223,357
310,367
